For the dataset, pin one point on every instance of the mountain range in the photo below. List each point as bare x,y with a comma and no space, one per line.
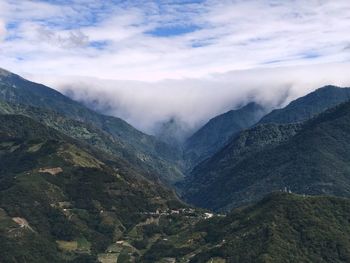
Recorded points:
79,186
307,158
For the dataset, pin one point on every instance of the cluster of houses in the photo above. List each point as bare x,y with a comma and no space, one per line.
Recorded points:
189,212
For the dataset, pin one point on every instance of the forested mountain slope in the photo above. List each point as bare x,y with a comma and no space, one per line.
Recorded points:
162,158
62,200
311,159
280,228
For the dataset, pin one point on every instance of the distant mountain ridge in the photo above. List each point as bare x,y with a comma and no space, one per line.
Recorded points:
308,106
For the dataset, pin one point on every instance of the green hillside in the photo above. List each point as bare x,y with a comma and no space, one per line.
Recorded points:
199,185
280,228
314,160
62,200
90,134
160,157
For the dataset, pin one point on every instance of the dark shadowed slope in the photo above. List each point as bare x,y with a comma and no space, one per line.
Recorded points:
308,106
215,134
313,160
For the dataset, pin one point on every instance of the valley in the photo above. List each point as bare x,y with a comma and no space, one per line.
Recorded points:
78,186
174,131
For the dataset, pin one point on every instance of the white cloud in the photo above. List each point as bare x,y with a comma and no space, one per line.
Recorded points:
2,30
68,39
233,35
194,101
102,40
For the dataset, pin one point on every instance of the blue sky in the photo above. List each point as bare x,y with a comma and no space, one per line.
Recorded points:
177,43
155,40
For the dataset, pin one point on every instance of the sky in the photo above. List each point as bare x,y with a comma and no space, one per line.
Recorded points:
147,61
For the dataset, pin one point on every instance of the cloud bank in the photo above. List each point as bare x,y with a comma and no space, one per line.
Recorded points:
146,61
2,30
194,101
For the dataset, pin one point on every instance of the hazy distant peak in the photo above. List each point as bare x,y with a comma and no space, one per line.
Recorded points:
4,73
251,106
308,106
217,131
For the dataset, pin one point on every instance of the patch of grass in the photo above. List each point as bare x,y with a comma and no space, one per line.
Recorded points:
35,147
67,245
108,257
78,157
216,260
81,244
